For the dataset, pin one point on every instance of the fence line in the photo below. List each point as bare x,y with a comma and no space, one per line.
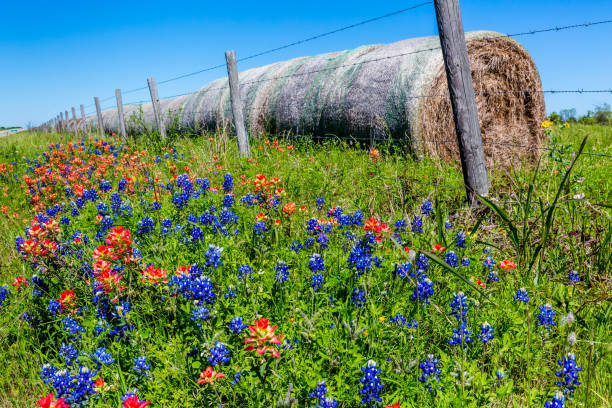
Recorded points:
518,34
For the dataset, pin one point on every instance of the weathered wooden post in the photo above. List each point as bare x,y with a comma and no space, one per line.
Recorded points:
463,100
75,124
122,130
57,124
61,115
99,112
84,119
155,102
234,85
67,123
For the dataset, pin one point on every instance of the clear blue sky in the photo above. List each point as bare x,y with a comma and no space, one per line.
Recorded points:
55,55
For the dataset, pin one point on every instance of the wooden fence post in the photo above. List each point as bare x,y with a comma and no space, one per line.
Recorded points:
61,115
67,123
57,124
122,129
84,119
155,102
99,112
234,84
75,125
463,100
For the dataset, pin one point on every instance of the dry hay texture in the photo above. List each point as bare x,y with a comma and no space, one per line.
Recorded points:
368,92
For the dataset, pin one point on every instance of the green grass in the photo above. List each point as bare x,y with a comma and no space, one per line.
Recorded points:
390,189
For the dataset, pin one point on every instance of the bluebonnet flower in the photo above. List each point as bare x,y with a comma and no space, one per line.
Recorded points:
400,225
282,272
451,259
465,262
296,246
320,393
359,297
423,289
122,185
448,225
371,383
69,353
101,356
417,225
486,333
141,367
489,262
460,239
213,256
398,319
236,325
461,336
402,270
486,250
192,287
4,293
568,375
260,227
427,208
320,203
199,314
322,240
72,326
429,369
558,401
492,276
459,306
145,226
245,271
500,374
219,354
309,242
228,183
236,379
316,281
231,293
228,200
362,256
546,317
522,295
573,278
315,263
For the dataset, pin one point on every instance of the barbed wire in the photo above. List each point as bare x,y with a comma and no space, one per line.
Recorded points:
490,38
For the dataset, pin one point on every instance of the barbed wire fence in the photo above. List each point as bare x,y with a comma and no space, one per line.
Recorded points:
74,123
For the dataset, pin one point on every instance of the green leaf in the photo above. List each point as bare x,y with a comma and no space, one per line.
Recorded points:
510,227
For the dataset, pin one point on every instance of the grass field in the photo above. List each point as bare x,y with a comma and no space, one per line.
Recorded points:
349,296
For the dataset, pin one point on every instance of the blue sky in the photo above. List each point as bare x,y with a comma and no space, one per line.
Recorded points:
55,55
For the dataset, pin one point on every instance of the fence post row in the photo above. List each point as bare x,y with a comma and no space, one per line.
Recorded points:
99,112
155,103
122,129
463,100
84,119
234,85
67,122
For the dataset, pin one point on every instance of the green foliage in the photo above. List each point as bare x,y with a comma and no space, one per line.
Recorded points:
547,231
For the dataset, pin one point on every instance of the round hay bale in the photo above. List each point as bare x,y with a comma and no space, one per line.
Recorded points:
396,91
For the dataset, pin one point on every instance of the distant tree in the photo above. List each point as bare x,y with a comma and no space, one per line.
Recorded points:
568,115
603,115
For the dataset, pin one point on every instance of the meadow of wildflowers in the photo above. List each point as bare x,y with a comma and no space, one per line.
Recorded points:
179,279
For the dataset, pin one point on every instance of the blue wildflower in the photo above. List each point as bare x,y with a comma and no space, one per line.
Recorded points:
359,297
568,375
546,317
371,383
141,367
427,208
429,369
282,272
219,354
236,325
486,333
522,295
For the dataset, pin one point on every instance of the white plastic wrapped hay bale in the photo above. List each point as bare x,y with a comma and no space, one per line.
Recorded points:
395,91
